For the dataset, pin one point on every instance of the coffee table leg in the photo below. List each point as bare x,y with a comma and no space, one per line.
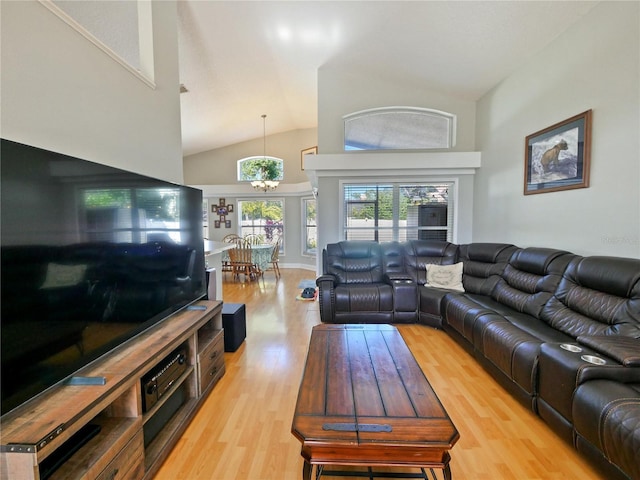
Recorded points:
447,472
307,468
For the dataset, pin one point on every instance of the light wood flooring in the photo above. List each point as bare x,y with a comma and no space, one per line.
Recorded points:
243,430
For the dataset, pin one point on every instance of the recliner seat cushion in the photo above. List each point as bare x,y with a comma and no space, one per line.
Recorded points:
375,297
460,312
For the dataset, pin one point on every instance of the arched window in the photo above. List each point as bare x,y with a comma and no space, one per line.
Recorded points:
399,128
260,168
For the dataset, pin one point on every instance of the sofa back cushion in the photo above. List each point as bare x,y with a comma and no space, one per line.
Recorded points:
392,254
482,265
597,296
530,278
353,261
420,253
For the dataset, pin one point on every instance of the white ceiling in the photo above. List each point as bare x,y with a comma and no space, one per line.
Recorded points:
242,59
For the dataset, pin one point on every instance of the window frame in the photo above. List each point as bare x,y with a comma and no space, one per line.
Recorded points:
305,226
239,202
452,196
448,142
139,228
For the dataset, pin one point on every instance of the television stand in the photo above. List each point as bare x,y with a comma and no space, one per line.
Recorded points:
52,428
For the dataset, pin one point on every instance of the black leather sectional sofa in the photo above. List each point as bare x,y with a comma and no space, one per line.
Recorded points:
559,331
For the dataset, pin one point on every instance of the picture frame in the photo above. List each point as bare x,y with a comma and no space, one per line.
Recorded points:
216,223
222,202
559,157
230,208
307,151
227,224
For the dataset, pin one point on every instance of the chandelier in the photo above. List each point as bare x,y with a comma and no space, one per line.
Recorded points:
266,182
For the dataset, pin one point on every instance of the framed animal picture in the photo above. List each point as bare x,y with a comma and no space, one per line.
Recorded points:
558,157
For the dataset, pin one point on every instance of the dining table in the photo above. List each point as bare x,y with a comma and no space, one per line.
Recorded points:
260,255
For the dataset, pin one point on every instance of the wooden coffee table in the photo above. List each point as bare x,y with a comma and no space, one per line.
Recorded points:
364,401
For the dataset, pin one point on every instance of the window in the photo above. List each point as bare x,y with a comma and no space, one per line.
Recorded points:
399,128
136,215
262,217
397,211
310,240
260,168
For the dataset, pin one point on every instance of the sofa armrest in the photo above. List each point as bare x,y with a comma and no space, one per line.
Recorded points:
625,350
396,277
561,371
327,297
322,280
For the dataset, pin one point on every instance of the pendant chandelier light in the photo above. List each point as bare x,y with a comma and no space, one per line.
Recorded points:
265,182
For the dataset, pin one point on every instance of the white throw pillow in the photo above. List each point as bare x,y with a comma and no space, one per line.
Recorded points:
60,275
445,276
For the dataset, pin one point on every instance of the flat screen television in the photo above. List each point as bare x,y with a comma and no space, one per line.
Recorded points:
91,256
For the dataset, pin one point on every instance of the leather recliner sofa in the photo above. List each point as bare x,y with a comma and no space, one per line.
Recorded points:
559,331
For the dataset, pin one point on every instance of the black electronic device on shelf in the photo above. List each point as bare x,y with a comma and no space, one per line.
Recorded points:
162,377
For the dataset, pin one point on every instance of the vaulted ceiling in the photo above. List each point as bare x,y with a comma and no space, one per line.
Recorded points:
239,60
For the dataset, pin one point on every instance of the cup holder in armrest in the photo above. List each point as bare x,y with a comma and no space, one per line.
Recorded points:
570,348
593,359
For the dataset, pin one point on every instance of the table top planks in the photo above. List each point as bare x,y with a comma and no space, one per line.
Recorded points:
364,400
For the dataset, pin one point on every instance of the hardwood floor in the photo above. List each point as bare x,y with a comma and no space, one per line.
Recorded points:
243,430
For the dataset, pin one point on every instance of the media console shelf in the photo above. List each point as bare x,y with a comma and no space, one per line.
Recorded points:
119,441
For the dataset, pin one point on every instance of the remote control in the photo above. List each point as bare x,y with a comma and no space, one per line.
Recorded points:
87,381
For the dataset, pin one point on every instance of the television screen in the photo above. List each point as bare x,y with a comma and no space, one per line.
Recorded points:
91,256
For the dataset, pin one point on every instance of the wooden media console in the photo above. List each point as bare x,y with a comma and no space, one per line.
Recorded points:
121,440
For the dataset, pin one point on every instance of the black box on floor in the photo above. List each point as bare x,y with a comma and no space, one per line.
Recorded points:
234,322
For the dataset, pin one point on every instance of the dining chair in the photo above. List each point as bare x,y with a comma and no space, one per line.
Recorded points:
275,256
254,239
240,260
231,238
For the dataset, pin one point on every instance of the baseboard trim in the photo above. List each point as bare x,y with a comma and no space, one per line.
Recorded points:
298,265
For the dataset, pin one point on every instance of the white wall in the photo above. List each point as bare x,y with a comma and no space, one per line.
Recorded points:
594,65
61,93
